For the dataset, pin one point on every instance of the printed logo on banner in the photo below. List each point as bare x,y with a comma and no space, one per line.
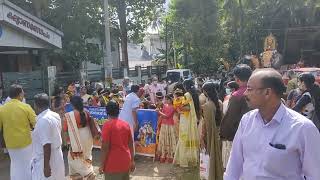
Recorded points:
99,114
146,135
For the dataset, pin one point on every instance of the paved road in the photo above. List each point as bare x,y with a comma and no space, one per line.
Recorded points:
146,169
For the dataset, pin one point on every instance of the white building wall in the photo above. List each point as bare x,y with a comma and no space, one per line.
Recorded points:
115,55
152,42
11,37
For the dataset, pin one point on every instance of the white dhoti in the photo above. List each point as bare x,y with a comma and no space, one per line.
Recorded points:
20,163
56,164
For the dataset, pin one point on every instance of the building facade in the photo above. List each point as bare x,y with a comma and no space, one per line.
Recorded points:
23,39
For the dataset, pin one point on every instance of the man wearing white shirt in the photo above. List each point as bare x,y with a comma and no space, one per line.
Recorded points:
8,99
47,161
130,107
272,141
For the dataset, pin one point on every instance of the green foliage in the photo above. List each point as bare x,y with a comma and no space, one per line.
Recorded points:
140,14
83,19
203,30
194,27
133,18
209,30
79,20
260,18
26,5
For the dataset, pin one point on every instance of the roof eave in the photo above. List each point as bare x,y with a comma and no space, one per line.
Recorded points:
38,20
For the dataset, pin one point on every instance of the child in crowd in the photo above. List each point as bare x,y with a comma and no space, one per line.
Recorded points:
158,107
90,101
178,103
95,99
167,136
159,100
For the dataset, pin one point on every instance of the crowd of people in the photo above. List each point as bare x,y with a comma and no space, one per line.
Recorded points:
249,123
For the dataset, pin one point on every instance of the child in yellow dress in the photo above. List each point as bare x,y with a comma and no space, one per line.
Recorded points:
178,103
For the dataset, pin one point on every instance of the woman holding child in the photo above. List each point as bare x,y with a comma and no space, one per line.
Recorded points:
187,152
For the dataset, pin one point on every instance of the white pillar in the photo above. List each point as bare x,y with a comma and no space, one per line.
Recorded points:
138,68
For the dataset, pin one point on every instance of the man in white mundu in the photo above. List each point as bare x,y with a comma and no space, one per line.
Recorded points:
17,119
47,161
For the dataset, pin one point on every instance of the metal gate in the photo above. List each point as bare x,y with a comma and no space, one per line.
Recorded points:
32,82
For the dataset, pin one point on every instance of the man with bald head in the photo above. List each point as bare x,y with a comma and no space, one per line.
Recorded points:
47,161
272,141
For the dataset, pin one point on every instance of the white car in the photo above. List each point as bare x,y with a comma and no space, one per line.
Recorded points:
175,75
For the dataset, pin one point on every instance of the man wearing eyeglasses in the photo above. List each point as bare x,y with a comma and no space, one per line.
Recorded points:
273,141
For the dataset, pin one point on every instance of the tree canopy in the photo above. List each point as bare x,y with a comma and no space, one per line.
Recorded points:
200,33
133,16
81,20
211,30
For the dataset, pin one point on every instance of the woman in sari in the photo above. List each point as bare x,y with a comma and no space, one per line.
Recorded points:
212,115
80,153
187,152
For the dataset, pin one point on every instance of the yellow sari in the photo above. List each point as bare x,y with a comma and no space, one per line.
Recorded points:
187,152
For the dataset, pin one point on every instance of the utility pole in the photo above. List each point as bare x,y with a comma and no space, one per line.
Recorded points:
174,53
107,56
167,42
241,28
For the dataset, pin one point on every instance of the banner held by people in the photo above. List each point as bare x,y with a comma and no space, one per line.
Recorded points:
99,114
145,136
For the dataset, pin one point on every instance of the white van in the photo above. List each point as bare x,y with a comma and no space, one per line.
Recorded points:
174,75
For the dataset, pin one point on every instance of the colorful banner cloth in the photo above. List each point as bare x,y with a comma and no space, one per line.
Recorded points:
99,114
145,137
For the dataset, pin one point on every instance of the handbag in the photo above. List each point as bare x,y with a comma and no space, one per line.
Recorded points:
94,128
204,165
